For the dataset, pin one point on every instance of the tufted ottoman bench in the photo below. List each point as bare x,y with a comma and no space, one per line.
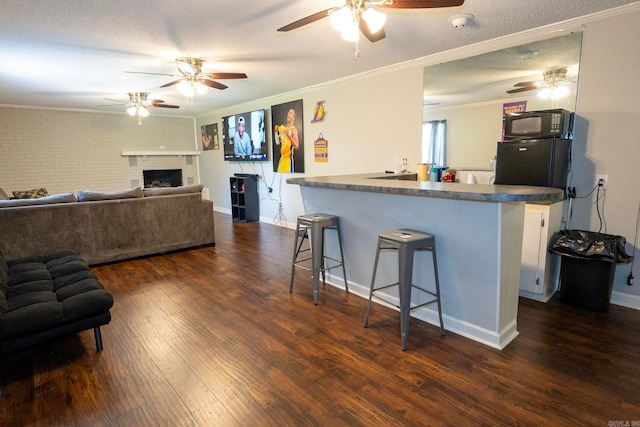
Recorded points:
44,297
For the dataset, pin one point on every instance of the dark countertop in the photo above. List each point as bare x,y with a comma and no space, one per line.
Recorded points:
407,185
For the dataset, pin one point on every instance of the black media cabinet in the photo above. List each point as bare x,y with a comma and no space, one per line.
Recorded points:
245,204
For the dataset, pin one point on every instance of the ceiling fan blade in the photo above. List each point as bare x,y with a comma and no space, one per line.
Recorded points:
153,104
224,75
372,37
520,84
111,105
153,74
522,89
213,84
308,20
175,82
420,4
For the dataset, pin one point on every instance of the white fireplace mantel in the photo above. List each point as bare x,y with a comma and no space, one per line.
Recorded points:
160,153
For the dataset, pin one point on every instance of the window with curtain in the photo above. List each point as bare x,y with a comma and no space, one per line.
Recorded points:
434,137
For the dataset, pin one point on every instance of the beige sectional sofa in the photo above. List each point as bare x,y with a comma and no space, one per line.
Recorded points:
106,227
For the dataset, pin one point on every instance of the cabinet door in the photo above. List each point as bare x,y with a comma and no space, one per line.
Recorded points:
533,256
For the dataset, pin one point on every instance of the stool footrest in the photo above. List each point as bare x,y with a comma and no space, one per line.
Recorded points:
298,262
413,307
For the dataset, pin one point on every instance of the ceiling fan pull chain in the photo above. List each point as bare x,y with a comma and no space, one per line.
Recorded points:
357,45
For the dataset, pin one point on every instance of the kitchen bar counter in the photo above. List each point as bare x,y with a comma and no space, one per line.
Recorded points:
478,231
406,184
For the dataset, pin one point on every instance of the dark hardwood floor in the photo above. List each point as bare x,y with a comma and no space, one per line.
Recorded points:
212,337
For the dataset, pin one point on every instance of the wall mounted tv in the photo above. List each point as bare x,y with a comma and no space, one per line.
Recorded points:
244,137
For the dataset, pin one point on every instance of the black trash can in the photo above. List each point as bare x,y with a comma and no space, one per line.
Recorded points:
588,266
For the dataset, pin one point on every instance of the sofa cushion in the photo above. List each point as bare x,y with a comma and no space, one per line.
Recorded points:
46,292
90,196
31,286
36,193
56,198
4,268
4,280
3,304
60,257
163,191
41,314
21,277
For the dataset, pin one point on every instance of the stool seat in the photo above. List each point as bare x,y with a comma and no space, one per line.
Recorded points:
312,227
406,243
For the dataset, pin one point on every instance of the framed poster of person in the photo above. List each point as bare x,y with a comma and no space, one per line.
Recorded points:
210,139
288,139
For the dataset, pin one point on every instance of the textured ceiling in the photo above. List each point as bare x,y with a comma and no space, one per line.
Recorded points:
74,53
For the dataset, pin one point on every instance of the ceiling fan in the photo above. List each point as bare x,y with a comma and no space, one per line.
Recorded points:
551,84
363,16
139,104
192,79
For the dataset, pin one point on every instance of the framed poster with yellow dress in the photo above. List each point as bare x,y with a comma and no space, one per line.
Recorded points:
288,139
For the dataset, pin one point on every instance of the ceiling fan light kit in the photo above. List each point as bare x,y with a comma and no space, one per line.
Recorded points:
138,111
138,105
554,92
374,19
340,18
346,20
190,87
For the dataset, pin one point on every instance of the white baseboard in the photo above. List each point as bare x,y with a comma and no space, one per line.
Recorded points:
625,300
430,315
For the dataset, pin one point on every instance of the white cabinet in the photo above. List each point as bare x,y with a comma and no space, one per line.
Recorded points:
540,270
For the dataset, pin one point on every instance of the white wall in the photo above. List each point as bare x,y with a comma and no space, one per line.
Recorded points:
372,122
606,139
472,133
66,151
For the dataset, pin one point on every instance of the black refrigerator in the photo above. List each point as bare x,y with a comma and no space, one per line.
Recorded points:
538,162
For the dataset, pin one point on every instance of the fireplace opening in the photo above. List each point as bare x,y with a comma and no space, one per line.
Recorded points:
162,178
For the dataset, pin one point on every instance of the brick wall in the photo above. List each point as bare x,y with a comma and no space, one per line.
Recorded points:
68,151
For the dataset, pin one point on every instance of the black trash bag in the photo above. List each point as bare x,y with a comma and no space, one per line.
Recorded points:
590,245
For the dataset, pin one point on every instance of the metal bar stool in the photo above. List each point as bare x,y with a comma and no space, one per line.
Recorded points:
316,224
406,242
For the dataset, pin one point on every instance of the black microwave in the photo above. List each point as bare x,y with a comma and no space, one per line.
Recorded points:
556,123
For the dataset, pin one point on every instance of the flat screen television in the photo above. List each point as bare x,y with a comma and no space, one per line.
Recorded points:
244,137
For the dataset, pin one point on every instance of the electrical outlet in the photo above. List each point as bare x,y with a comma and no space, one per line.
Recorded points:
601,180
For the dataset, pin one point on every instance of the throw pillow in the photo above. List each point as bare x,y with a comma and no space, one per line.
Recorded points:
3,195
163,191
36,193
91,196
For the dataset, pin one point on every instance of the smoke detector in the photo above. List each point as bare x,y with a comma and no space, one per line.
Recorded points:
461,20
